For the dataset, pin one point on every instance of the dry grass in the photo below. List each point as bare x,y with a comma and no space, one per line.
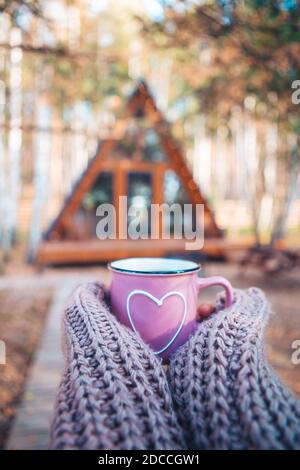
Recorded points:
22,315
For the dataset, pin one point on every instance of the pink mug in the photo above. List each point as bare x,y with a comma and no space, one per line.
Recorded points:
158,297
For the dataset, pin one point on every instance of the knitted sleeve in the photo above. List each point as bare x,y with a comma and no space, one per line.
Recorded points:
225,393
114,393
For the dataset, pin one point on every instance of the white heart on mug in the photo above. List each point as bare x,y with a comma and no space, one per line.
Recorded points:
159,303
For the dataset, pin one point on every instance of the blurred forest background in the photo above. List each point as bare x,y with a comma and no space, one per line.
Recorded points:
221,71
224,73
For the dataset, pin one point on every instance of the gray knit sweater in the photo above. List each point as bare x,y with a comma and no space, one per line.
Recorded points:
218,393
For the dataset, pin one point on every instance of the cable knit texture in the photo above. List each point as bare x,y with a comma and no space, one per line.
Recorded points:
225,392
219,391
114,393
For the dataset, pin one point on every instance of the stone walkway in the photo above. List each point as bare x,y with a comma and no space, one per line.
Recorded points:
31,426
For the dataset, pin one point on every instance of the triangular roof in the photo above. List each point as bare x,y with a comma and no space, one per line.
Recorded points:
140,103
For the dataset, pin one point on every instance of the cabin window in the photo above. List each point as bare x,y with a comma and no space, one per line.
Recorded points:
101,192
140,197
152,148
174,193
140,143
85,219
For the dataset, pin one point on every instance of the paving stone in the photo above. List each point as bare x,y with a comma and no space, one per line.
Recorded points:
31,426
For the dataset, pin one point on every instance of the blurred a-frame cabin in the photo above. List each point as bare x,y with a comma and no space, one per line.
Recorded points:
144,163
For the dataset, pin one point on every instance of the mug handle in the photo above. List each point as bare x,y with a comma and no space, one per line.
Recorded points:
202,283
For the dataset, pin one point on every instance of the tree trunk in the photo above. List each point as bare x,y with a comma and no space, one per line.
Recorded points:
2,173
288,167
41,174
14,139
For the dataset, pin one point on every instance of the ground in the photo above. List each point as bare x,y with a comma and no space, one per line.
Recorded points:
22,316
24,299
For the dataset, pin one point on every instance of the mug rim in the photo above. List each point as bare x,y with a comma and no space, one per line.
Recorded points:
190,266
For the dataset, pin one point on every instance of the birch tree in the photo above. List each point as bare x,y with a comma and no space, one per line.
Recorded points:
252,52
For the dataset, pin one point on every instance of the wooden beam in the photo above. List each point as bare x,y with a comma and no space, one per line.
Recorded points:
158,196
92,251
120,189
